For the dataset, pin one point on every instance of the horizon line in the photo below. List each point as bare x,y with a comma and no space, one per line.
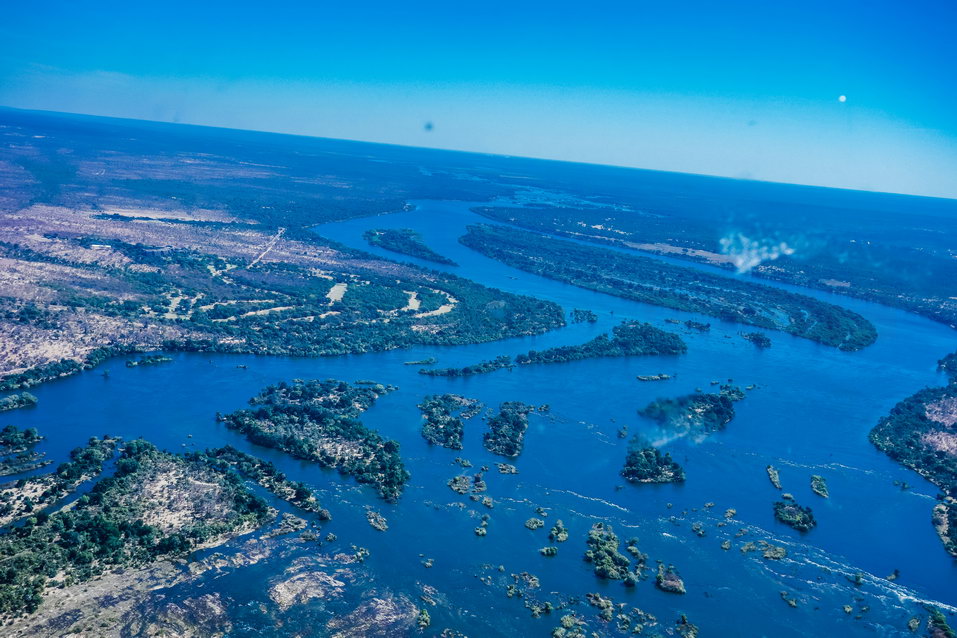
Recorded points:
482,153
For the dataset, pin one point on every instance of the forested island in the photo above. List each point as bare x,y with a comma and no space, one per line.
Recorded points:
646,464
317,421
919,433
506,435
630,338
148,360
20,400
794,515
695,414
659,283
498,363
443,414
405,241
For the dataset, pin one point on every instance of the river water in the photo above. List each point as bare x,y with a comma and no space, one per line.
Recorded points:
810,414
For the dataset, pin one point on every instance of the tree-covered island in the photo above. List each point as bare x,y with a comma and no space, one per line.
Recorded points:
318,421
405,241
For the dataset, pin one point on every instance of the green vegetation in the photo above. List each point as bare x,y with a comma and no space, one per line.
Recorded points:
646,464
16,450
148,360
794,515
265,474
317,421
759,339
506,435
534,523
774,476
651,281
123,522
819,485
441,426
603,553
30,495
631,338
902,263
422,362
405,241
13,439
695,414
582,316
938,626
14,401
697,325
919,434
502,361
558,533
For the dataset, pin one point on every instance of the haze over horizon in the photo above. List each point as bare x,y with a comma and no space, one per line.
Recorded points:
743,90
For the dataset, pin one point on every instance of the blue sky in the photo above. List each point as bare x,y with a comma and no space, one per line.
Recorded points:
724,88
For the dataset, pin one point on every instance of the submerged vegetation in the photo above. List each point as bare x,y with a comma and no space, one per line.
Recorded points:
759,339
405,241
317,421
506,435
662,284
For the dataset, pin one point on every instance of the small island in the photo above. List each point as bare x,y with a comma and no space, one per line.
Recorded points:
405,241
694,414
646,464
502,361
794,515
759,339
581,316
317,421
148,360
442,427
15,401
506,435
603,553
653,377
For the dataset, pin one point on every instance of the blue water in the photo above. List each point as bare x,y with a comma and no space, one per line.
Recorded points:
810,415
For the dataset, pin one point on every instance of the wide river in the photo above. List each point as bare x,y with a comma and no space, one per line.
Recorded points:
810,414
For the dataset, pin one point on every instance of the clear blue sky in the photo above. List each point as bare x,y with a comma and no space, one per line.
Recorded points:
725,88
